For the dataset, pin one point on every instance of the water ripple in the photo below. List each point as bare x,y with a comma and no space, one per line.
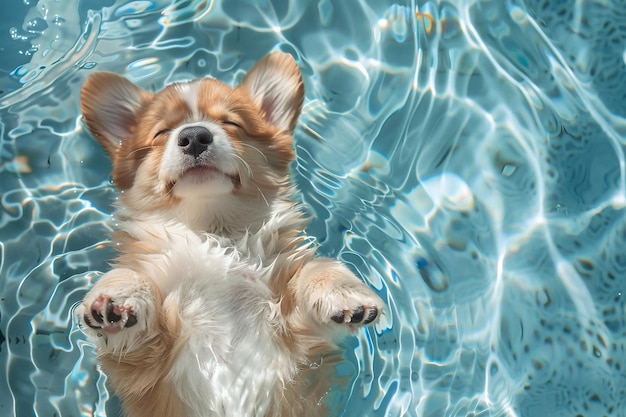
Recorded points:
466,159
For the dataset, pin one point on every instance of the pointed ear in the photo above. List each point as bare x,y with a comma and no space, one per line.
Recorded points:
275,85
109,104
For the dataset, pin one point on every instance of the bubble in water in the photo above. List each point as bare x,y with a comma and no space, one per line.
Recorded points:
36,25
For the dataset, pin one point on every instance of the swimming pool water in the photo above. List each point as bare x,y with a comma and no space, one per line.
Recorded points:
466,158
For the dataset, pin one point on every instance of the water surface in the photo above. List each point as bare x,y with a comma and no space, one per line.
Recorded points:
465,158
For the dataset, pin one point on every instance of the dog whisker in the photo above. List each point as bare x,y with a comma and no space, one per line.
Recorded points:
267,203
244,163
256,149
143,148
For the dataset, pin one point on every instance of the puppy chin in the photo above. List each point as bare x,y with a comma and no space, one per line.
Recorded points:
203,182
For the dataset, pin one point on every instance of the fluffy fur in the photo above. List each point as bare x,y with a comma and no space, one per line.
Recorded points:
217,305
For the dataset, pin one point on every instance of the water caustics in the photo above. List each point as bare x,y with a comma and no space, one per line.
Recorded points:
465,158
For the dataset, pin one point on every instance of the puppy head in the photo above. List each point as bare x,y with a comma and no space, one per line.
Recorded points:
199,144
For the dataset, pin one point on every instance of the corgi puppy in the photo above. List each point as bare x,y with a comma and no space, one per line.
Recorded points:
216,304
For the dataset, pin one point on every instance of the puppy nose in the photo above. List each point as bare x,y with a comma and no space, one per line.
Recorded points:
194,140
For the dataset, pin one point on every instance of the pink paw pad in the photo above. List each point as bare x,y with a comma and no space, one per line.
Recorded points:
360,315
105,314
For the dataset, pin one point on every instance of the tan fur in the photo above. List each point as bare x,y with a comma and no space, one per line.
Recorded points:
258,118
140,144
138,377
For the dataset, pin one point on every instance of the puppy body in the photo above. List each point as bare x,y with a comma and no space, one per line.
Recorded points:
211,343
216,305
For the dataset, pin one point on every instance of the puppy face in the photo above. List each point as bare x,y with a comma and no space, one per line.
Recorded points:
202,148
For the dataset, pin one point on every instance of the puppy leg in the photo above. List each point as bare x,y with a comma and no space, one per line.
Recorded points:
119,309
332,295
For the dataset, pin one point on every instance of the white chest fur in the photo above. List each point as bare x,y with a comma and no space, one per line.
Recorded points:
231,365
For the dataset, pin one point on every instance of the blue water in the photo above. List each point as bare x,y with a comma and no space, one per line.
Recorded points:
465,158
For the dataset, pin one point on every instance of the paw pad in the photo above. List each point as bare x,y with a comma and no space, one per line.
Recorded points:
105,314
360,315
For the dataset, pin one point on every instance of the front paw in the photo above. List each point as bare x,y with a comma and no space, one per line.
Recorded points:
104,313
360,315
120,309
335,295
349,303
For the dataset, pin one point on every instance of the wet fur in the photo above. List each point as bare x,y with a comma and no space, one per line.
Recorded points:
219,305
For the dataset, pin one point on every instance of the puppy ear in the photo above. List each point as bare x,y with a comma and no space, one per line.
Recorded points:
109,104
275,85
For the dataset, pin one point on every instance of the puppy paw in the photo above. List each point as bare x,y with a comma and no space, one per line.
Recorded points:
336,297
349,303
104,313
118,310
361,315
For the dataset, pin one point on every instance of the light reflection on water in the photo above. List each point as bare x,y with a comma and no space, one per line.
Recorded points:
466,158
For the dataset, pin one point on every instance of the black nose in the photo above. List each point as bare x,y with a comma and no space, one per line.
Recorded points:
194,140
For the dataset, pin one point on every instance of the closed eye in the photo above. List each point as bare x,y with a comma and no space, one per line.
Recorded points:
161,132
231,123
